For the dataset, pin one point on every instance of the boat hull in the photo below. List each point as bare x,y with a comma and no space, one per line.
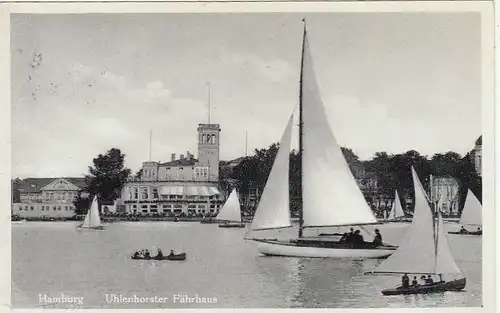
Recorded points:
293,249
454,285
472,233
232,225
92,228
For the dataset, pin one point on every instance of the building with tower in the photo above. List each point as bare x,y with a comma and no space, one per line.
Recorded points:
182,185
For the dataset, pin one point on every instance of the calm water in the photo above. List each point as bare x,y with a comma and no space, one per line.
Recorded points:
55,258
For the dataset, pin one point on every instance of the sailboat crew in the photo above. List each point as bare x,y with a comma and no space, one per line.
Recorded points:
378,238
405,281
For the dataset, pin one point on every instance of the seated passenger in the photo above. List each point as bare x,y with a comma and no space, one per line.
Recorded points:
414,282
405,281
463,230
378,238
429,280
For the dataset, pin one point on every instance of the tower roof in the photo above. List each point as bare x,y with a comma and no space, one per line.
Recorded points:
479,141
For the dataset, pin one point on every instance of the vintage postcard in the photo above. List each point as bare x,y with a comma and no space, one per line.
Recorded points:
248,155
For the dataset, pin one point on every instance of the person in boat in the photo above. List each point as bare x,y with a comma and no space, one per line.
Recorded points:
159,255
429,280
414,282
357,238
172,252
137,255
349,236
405,281
463,230
378,238
146,255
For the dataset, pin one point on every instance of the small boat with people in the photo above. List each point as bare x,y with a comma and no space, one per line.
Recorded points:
424,251
145,255
230,212
397,215
471,216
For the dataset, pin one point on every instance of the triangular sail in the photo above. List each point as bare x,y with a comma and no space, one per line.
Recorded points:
471,214
397,209
416,252
445,263
92,218
330,194
273,208
231,210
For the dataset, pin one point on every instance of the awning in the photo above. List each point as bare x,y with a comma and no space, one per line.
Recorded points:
189,190
172,190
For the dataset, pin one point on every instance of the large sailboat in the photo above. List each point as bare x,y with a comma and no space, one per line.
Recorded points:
231,212
92,219
423,251
471,216
330,196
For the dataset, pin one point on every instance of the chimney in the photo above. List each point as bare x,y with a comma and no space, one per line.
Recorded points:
182,156
173,157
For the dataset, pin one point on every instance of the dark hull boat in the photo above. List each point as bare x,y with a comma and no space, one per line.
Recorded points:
428,255
174,257
232,225
470,233
454,285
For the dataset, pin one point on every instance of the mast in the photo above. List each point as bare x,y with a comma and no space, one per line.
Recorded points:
208,102
301,123
150,143
246,143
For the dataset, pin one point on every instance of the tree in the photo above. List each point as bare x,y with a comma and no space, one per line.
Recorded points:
107,177
81,203
16,194
138,174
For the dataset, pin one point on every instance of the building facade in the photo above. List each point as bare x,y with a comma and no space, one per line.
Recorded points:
184,185
48,197
445,194
478,154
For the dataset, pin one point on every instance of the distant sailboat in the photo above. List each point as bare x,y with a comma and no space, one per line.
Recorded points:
92,219
471,216
397,214
423,251
330,194
231,212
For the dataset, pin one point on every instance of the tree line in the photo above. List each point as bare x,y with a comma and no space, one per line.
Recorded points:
390,171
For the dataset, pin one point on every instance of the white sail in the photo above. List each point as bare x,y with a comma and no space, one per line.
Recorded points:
416,252
92,218
331,196
397,209
273,209
471,214
231,210
445,263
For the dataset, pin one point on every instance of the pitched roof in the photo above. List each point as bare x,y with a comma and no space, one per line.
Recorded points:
36,184
180,162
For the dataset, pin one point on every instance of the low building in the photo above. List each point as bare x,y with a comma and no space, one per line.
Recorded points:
48,197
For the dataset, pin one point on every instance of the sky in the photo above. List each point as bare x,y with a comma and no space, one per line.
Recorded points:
84,83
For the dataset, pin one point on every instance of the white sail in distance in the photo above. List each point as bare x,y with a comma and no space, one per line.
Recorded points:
231,210
273,209
397,209
92,218
472,212
331,196
416,253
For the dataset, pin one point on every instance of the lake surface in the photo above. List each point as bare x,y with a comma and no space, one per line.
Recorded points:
54,258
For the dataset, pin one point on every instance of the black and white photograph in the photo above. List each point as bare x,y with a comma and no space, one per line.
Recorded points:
287,156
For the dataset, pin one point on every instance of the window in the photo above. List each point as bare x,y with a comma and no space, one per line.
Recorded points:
155,193
32,208
212,139
201,206
59,208
20,208
144,206
43,208
153,206
191,206
136,193
54,209
65,208
153,210
167,205
144,193
208,139
203,138
177,206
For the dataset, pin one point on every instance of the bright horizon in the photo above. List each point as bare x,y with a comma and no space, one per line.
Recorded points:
390,82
